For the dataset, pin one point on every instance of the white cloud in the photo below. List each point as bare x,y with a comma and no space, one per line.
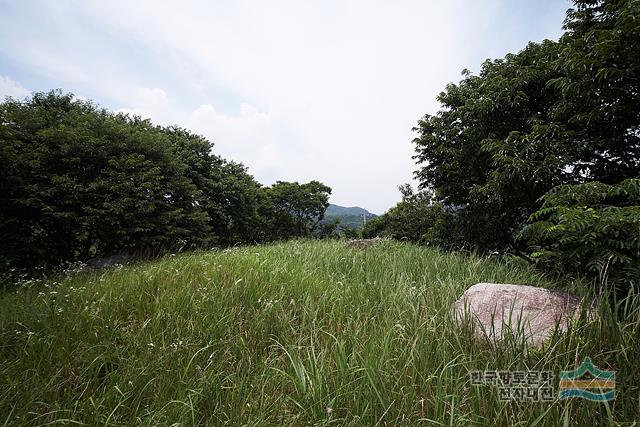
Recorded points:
150,103
251,137
9,87
324,90
350,79
64,69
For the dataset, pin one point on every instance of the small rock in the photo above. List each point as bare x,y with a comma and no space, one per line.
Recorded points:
96,264
498,308
363,243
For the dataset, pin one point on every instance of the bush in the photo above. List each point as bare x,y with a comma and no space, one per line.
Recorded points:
591,228
410,220
78,181
555,113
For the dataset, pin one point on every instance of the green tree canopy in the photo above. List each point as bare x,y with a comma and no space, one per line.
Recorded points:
77,181
297,208
412,219
555,113
592,228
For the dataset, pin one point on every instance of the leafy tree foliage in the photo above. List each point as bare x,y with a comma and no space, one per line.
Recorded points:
600,87
479,153
553,130
77,181
593,228
376,227
297,208
233,201
412,219
552,114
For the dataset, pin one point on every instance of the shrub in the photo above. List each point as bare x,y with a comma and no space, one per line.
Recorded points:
411,219
78,181
590,228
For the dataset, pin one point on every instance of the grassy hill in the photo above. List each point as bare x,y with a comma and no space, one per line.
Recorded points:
299,333
351,217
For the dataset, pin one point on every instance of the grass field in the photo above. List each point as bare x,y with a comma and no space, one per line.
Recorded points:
299,333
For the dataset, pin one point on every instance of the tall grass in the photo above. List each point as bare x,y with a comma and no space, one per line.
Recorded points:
299,333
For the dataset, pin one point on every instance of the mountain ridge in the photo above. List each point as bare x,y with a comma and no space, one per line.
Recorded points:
349,216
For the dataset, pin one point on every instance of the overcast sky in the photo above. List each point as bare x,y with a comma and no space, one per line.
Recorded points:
296,90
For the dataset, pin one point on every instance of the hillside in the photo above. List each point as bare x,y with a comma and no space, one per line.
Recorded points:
351,217
298,333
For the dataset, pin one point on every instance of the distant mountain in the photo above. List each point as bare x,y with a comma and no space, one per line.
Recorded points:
352,217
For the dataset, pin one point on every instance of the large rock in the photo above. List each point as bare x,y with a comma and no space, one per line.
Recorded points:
497,308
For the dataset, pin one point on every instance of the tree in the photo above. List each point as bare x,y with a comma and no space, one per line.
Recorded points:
600,87
297,208
552,114
77,181
233,200
82,182
412,219
477,154
591,228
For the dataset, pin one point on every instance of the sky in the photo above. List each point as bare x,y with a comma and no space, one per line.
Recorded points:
295,90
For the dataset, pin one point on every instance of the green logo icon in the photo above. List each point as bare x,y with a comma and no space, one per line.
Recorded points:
598,385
